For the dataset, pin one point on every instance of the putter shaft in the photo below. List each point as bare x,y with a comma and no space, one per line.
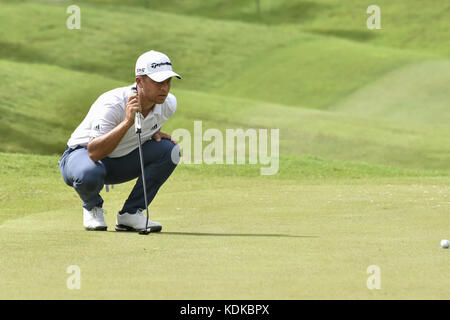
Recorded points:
141,158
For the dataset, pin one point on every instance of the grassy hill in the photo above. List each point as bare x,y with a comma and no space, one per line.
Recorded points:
402,21
232,58
40,120
417,93
278,65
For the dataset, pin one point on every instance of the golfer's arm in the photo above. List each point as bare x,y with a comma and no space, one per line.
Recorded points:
102,146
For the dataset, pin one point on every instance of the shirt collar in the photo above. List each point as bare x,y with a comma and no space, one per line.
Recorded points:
157,109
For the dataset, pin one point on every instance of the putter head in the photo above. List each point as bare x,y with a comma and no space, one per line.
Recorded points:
145,231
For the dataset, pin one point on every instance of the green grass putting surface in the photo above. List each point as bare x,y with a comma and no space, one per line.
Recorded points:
228,237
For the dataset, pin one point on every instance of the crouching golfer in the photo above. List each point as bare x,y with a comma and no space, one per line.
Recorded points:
104,147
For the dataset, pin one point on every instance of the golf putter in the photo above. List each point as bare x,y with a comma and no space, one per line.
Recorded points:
138,130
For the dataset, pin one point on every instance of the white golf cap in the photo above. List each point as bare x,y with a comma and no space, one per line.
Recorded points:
156,65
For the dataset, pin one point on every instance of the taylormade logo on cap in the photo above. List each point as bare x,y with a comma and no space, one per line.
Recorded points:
156,65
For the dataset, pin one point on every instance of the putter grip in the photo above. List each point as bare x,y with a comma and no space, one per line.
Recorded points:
137,122
137,116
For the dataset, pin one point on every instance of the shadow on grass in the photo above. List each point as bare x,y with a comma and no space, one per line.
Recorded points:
208,234
14,140
356,35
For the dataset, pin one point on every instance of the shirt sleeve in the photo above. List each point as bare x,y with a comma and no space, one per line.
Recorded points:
106,119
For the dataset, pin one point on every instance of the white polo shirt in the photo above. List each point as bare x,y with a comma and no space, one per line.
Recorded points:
109,110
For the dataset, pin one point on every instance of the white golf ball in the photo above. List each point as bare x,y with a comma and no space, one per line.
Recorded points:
445,243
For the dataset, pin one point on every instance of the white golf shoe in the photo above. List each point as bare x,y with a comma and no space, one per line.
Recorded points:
93,219
135,222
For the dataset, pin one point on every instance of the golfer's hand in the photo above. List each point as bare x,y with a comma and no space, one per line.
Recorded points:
132,107
161,135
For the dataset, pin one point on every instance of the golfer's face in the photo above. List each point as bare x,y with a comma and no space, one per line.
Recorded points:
156,91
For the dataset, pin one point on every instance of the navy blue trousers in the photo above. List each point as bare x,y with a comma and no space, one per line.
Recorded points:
88,177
